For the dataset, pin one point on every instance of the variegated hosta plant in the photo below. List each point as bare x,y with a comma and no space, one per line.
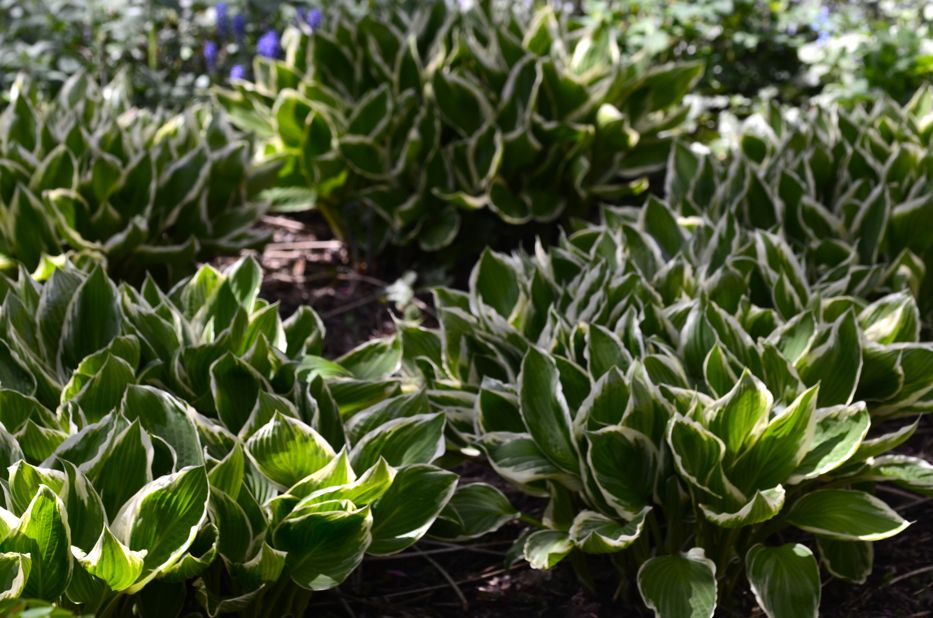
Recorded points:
688,400
163,450
399,124
86,172
848,189
635,278
691,492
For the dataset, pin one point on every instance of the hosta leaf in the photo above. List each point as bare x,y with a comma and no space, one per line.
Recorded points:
25,480
764,505
741,415
474,510
848,560
111,561
324,546
783,444
785,580
545,411
124,467
624,463
406,511
14,573
495,282
698,456
682,585
413,440
595,533
545,548
235,387
461,102
163,518
167,417
287,450
43,534
912,473
83,506
91,320
846,515
837,436
892,319
517,458
835,364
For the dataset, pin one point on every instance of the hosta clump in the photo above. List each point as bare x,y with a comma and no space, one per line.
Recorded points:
192,439
848,189
85,172
399,124
719,295
692,494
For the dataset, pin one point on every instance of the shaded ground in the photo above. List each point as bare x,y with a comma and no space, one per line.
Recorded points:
302,266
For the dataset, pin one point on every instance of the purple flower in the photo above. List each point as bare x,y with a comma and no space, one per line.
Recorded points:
239,27
314,18
222,13
237,72
268,45
821,25
210,55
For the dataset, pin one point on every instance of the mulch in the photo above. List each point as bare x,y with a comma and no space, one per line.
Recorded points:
303,265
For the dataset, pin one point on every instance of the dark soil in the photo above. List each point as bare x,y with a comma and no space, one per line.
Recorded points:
303,265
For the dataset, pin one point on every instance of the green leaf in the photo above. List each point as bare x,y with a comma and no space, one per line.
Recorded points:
474,510
408,509
680,586
848,560
835,364
417,439
782,446
741,415
92,319
595,533
460,102
324,546
167,417
624,463
763,506
111,561
892,319
235,387
14,573
495,282
545,411
698,456
785,580
845,515
163,518
517,458
912,473
837,436
545,548
43,534
286,450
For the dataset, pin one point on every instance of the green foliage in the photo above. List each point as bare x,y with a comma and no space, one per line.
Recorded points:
847,189
159,44
683,392
398,125
871,48
722,298
747,45
87,173
152,438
